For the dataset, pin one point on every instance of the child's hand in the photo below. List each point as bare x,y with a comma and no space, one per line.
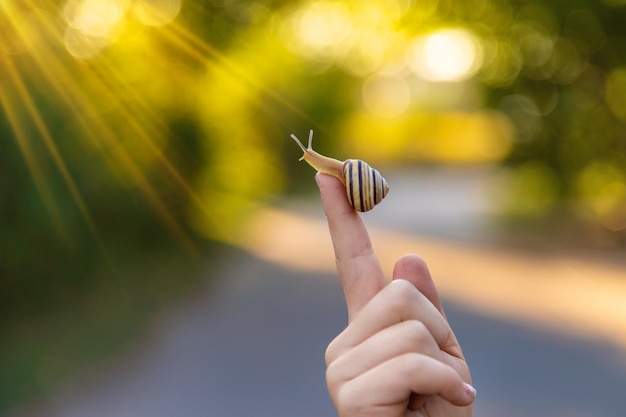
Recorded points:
398,355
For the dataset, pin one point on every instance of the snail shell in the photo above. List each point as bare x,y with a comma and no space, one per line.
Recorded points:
365,187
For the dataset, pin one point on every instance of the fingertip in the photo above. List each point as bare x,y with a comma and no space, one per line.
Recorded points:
464,398
333,195
463,395
414,269
325,181
470,392
411,266
319,180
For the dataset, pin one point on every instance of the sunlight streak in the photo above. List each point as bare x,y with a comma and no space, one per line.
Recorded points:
139,118
45,135
146,127
203,52
29,157
58,76
156,12
101,133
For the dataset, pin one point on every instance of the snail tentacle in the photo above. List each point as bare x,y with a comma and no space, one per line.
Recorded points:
320,162
365,187
305,150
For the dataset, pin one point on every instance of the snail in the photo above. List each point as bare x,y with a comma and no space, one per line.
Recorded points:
365,186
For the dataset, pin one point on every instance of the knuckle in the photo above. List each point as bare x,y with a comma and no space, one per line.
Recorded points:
330,354
418,334
332,381
335,349
348,401
411,362
401,296
335,374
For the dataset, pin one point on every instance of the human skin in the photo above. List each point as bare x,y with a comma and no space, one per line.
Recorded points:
398,355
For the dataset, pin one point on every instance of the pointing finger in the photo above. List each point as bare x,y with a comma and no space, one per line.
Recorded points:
359,270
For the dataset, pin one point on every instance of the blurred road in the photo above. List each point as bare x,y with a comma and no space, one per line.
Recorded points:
252,342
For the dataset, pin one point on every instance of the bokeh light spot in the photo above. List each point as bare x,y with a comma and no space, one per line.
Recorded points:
92,25
369,50
537,48
567,61
502,62
446,55
82,46
319,28
96,18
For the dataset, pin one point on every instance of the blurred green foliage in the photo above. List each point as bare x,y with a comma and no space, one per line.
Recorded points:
131,135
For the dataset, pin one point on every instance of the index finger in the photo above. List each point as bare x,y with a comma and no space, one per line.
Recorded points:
359,270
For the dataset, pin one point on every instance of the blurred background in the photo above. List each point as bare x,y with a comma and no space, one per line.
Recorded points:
163,252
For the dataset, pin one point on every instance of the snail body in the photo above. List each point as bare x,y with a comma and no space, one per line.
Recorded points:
365,186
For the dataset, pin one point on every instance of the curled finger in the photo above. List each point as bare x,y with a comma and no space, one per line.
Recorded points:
399,301
410,336
391,384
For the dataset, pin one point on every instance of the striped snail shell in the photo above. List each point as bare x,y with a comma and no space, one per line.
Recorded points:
365,186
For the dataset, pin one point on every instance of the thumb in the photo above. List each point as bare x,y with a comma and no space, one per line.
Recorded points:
358,267
412,268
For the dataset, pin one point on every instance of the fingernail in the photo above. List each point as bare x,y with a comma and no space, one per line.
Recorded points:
470,390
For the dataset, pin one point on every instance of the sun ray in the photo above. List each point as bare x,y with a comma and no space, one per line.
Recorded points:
53,150
23,142
58,76
101,133
206,54
146,125
63,80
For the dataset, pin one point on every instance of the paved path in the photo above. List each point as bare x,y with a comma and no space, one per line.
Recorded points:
252,343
